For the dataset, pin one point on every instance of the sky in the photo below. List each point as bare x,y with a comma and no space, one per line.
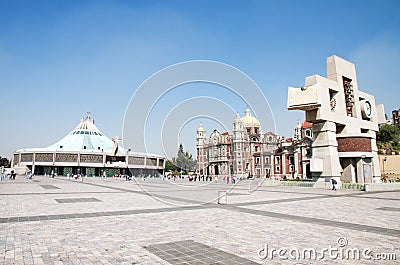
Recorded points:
61,59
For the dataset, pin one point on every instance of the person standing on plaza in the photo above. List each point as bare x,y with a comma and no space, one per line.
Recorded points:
334,183
2,173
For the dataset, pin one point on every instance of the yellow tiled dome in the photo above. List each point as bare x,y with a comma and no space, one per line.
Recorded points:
248,119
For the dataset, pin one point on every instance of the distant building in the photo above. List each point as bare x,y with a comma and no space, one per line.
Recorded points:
381,116
292,158
248,152
396,116
88,151
390,166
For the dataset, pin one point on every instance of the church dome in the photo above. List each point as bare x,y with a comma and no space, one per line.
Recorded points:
248,119
201,129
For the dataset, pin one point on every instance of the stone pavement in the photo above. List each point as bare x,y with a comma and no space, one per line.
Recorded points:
107,221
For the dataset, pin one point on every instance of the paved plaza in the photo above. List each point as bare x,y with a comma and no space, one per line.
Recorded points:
107,221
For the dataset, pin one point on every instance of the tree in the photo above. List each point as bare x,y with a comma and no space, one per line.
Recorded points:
4,162
183,161
388,133
170,166
388,139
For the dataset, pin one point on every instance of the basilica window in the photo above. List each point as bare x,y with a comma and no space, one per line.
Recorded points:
26,157
45,157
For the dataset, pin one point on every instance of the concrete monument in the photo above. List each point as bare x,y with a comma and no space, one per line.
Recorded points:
345,122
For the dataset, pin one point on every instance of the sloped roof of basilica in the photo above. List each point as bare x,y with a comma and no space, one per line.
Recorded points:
86,137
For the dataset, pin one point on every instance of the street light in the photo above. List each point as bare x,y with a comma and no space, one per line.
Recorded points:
384,160
362,163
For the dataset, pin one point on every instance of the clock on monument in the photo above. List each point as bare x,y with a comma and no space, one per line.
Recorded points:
366,109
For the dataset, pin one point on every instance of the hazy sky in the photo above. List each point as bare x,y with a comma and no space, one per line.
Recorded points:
60,59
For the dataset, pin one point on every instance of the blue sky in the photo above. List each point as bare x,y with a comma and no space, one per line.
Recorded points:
60,59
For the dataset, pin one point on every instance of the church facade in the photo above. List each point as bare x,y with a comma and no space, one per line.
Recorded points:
248,152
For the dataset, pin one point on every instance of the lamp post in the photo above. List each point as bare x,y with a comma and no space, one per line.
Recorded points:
384,160
362,163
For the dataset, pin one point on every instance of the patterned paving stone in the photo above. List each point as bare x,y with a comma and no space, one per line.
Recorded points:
191,252
77,200
49,187
181,224
392,209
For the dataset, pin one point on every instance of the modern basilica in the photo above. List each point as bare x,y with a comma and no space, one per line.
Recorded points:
87,151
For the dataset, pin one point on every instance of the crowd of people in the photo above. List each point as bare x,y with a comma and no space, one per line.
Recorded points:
4,174
191,178
194,178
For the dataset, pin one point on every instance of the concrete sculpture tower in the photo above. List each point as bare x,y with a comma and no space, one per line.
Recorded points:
345,122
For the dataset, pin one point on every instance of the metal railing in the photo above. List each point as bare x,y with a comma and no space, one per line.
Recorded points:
351,186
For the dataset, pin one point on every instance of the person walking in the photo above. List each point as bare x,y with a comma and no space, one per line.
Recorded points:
334,183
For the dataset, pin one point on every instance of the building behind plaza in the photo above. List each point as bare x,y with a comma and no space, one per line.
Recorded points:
87,151
248,152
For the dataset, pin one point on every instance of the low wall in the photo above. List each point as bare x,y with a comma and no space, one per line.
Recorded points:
308,184
328,185
382,186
